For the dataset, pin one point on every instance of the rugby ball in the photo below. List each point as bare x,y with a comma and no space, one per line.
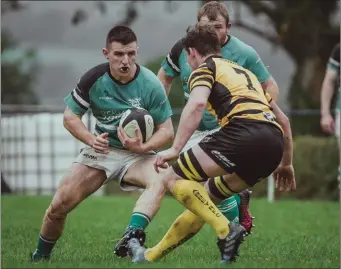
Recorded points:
140,118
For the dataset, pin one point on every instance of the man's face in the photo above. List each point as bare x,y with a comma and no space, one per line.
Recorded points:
219,25
121,57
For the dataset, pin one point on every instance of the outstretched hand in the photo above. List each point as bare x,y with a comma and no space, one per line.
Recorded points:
284,177
163,157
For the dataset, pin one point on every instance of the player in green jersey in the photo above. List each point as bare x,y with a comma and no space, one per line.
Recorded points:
110,89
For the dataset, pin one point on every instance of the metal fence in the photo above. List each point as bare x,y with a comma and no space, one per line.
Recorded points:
37,150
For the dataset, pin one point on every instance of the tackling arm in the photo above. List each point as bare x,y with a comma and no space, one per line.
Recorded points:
283,120
191,116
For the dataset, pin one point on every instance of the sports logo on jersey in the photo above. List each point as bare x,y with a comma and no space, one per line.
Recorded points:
106,96
268,116
135,102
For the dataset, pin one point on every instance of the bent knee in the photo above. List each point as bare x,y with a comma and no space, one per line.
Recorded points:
156,185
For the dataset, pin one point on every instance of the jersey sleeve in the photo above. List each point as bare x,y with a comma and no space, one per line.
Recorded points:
202,76
255,65
78,100
159,106
171,63
334,59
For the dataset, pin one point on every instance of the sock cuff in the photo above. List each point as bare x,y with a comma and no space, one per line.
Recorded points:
47,240
142,215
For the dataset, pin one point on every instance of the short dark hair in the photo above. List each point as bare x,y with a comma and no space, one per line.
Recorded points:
212,9
203,38
121,34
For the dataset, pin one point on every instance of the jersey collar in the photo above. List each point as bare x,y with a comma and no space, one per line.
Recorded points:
227,40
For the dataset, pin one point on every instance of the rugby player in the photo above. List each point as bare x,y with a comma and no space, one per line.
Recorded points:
110,89
250,145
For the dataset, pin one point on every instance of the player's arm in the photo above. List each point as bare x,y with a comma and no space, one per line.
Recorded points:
284,174
284,121
271,87
78,103
74,124
164,133
256,66
170,67
165,79
327,91
191,116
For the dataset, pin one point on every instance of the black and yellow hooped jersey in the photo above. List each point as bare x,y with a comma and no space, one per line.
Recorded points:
235,91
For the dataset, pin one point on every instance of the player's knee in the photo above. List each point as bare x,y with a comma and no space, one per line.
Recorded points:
64,200
55,212
169,179
156,186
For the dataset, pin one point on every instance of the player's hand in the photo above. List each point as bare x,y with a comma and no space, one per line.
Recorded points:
327,124
163,157
101,143
285,178
133,144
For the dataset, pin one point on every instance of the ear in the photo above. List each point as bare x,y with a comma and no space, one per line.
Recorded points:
137,51
229,26
105,53
191,52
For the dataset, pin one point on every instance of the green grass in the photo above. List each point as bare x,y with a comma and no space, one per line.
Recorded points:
289,234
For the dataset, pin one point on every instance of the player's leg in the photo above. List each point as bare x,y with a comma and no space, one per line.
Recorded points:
255,154
141,173
79,182
235,208
191,165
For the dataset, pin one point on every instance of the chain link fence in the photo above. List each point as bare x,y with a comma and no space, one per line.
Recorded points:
37,150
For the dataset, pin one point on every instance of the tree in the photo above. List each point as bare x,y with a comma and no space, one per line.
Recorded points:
304,29
18,74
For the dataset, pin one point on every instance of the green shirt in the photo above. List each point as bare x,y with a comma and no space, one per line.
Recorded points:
109,98
234,50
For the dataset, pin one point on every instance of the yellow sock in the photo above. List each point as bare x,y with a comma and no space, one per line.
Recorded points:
183,228
195,198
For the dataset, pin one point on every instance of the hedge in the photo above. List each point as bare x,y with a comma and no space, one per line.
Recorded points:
316,169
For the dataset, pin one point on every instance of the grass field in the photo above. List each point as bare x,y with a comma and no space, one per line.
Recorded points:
289,234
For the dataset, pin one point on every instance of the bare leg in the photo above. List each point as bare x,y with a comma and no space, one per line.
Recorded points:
79,182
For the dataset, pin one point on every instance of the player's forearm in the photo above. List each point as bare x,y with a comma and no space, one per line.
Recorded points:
159,139
271,87
288,144
326,97
78,129
284,121
165,80
189,122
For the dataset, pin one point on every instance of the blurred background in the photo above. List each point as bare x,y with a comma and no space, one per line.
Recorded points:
47,46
